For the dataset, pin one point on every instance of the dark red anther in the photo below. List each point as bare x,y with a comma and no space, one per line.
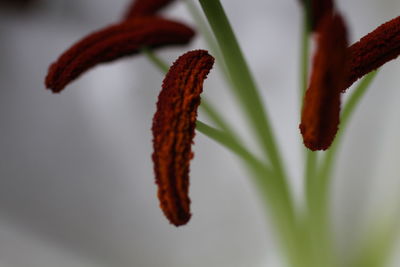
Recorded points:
320,116
114,42
374,50
174,129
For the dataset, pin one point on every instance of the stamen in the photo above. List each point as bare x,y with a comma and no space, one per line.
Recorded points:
114,42
374,50
320,116
174,129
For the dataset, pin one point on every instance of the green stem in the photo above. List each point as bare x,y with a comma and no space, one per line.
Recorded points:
271,190
376,247
319,228
209,38
319,190
325,172
244,86
204,29
227,141
158,62
212,113
275,191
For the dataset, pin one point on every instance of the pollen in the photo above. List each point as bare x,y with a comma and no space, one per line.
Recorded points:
321,109
374,50
113,42
174,129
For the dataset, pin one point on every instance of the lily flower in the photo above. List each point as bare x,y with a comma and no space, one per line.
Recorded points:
336,66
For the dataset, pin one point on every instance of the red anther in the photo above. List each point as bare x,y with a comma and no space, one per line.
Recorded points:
113,42
320,116
173,129
374,50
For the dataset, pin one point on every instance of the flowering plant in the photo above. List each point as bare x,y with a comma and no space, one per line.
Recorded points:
304,231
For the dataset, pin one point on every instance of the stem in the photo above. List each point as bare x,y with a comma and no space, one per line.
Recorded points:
205,30
227,141
377,246
158,62
325,172
217,118
319,194
273,189
318,223
269,187
244,86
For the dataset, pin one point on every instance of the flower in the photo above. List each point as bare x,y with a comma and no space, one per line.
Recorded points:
173,132
335,67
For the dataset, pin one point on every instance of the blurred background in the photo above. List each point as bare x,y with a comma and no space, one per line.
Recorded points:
76,179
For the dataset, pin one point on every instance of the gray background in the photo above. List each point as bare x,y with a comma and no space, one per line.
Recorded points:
77,186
